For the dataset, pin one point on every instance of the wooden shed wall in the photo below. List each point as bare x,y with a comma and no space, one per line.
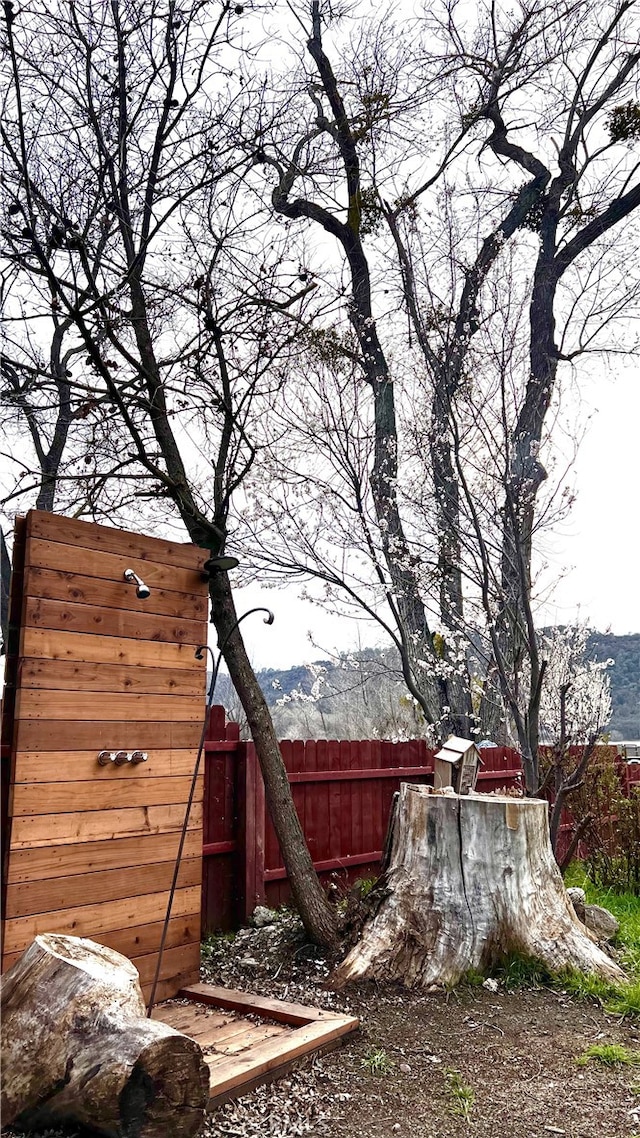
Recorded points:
90,849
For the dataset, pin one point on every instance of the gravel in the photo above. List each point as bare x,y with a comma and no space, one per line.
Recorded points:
513,1052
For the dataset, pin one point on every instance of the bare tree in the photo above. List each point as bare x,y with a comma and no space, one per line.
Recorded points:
512,263
124,223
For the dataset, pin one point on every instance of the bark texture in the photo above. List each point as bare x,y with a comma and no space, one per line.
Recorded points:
471,879
77,1048
318,916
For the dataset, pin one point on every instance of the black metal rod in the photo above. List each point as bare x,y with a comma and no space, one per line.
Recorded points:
194,780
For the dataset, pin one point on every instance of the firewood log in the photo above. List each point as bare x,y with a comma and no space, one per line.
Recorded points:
77,1047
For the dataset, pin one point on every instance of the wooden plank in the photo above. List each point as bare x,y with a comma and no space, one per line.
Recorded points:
250,1004
93,920
38,862
56,735
278,1071
218,1034
141,942
344,760
248,1035
12,646
48,895
247,830
105,794
44,643
111,622
80,766
105,538
372,774
65,675
187,1017
331,759
174,960
167,989
346,861
89,825
62,558
80,705
254,1033
71,586
257,1062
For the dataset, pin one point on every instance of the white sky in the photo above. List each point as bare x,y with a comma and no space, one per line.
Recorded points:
599,546
595,560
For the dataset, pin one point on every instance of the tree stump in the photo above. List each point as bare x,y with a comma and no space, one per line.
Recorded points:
471,879
77,1047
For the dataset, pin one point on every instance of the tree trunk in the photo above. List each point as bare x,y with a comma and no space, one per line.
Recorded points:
471,880
318,916
77,1048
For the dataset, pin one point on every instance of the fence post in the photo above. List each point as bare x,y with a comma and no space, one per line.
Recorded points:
251,831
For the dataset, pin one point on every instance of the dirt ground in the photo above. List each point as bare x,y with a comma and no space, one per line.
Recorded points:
511,1054
478,1063
515,1053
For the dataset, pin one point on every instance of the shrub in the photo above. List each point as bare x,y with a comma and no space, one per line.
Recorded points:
611,821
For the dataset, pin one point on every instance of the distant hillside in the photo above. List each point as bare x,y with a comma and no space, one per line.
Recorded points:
345,712
625,680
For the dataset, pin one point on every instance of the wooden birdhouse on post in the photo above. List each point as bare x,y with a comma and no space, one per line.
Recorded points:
456,765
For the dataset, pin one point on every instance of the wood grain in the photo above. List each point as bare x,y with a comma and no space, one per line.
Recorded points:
49,644
70,585
105,794
92,848
89,825
65,675
141,940
247,1003
168,988
58,557
253,1034
116,735
82,766
34,864
238,1069
38,613
93,920
88,535
33,897
184,1016
180,959
78,706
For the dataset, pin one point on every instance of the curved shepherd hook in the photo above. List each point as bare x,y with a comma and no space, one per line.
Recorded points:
199,653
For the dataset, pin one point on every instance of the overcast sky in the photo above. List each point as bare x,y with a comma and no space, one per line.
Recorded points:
594,561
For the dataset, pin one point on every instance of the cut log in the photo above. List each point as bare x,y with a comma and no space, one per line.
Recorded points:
471,880
77,1047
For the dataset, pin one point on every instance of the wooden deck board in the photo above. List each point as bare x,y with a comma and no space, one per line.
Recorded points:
243,1052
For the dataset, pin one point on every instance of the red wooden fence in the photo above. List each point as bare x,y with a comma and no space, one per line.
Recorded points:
342,792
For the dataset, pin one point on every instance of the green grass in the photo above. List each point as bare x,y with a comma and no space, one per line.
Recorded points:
620,999
376,1061
624,906
609,1055
517,971
623,999
461,1096
213,943
473,979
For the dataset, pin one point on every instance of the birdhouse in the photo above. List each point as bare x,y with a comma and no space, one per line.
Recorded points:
456,765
